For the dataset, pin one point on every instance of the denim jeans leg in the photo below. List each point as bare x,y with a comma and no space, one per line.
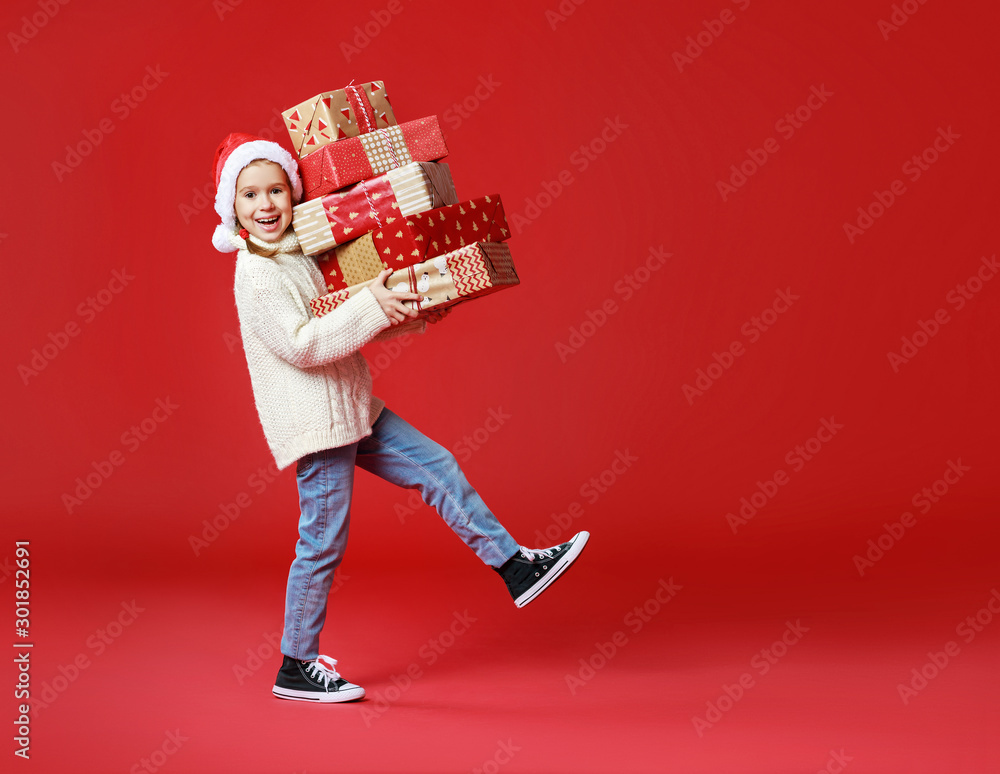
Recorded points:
402,455
326,482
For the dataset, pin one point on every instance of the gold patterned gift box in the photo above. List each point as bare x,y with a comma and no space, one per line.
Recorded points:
337,115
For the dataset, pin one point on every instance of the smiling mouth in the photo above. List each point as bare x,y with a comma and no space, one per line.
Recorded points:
268,221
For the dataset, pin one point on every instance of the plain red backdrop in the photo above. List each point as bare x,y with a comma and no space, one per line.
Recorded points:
521,90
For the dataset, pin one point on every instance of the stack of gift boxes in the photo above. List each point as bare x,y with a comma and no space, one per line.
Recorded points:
376,196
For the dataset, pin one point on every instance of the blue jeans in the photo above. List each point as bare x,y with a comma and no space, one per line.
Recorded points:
401,454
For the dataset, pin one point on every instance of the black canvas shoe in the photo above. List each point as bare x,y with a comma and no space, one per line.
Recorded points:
314,680
530,571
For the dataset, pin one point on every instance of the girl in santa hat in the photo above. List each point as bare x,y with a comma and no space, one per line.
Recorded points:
313,392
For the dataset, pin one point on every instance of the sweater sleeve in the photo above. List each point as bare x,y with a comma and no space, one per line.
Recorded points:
272,308
417,326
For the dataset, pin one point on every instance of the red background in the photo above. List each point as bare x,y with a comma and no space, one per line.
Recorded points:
136,203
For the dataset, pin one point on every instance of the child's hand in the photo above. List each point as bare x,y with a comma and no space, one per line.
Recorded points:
437,315
392,301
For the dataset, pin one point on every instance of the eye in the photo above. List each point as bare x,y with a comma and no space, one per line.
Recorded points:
249,194
277,190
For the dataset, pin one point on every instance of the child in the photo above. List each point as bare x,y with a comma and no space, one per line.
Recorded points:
312,389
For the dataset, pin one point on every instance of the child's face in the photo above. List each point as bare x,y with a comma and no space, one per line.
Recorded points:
264,200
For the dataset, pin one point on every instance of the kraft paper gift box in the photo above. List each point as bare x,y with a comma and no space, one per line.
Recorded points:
472,271
346,162
321,224
413,239
337,115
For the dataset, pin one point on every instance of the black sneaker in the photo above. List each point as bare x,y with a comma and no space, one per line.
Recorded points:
314,680
530,571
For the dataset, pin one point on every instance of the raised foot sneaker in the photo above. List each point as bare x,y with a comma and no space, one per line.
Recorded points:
530,571
314,680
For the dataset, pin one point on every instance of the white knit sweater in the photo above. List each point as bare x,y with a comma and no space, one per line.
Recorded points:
311,384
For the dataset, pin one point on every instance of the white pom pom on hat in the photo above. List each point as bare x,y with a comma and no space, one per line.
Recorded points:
233,154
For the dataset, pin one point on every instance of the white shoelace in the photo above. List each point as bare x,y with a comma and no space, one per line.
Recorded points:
323,673
533,555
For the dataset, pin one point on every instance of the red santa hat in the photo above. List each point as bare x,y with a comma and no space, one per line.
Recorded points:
233,154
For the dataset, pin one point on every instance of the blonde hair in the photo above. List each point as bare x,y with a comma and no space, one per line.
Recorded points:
258,250
251,247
